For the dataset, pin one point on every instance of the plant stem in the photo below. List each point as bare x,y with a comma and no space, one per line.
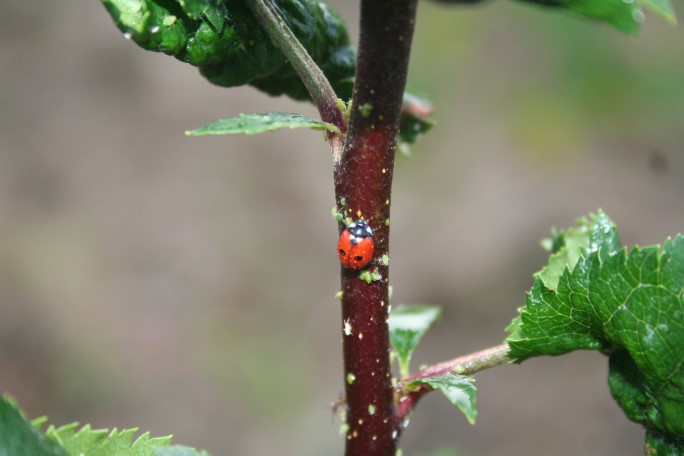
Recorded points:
467,364
312,76
463,365
363,178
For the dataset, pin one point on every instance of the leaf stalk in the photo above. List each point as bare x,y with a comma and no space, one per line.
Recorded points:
464,365
309,72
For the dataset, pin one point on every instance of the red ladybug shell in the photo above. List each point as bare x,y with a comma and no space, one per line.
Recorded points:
356,247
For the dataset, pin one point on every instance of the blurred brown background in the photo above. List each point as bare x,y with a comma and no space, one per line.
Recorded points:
186,285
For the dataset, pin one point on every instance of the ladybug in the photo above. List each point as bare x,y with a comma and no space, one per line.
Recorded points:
355,248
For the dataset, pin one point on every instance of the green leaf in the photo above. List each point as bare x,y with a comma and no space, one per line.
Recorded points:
101,442
407,325
659,445
225,41
648,397
593,233
443,452
628,303
459,389
414,121
661,7
252,124
19,437
625,16
590,234
178,450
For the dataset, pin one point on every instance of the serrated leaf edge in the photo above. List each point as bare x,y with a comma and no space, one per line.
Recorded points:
283,117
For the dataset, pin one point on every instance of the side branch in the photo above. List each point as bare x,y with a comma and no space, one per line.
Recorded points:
468,364
463,365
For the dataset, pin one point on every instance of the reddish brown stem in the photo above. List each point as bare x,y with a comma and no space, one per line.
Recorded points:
363,180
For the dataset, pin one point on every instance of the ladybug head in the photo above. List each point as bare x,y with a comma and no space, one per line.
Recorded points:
359,230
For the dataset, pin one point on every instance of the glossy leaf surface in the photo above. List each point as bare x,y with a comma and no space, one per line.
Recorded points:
627,303
224,40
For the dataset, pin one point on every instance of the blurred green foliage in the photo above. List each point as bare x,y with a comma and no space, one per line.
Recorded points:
548,83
